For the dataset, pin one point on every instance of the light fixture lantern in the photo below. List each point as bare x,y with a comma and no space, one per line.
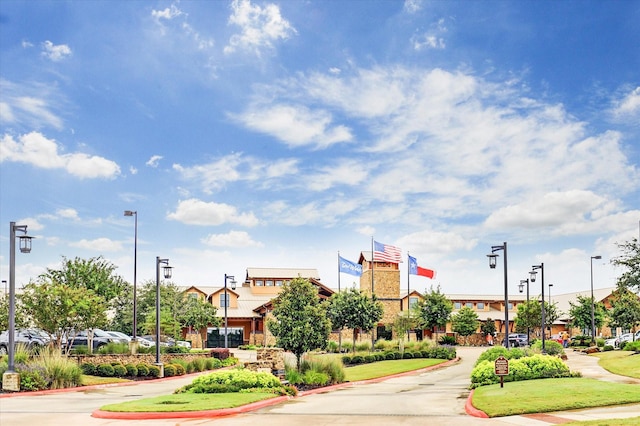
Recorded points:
532,276
25,244
167,270
233,283
492,260
129,212
521,285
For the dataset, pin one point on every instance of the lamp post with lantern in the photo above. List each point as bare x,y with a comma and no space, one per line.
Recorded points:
532,277
167,274
226,304
492,264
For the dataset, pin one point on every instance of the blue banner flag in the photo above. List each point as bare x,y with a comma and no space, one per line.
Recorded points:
349,267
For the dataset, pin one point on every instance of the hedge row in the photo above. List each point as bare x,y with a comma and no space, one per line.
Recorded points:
438,352
175,367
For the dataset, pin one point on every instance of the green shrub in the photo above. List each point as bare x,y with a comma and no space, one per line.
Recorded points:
154,371
551,347
357,359
347,346
346,359
497,351
607,348
293,376
447,340
599,342
379,356
389,356
176,349
113,348
238,378
369,358
143,369
80,350
32,377
312,377
197,364
632,346
407,355
213,363
105,370
88,368
332,346
119,370
61,372
169,370
363,346
526,368
132,370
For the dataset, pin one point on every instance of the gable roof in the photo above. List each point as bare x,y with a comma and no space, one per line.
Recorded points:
283,273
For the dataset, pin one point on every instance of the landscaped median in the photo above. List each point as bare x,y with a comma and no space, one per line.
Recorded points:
257,391
540,384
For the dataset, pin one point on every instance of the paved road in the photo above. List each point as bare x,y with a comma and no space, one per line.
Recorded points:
434,398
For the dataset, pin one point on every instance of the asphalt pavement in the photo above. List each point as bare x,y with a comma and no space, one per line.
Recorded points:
435,397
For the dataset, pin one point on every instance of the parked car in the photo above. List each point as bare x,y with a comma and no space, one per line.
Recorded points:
614,342
626,337
33,338
81,338
152,339
556,338
518,339
119,335
145,343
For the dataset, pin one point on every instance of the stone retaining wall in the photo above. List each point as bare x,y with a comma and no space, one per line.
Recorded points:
135,359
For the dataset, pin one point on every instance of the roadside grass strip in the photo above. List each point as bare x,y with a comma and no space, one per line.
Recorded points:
378,369
546,395
189,402
624,363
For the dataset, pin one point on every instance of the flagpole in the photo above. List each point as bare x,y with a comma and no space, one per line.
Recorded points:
408,278
373,341
338,271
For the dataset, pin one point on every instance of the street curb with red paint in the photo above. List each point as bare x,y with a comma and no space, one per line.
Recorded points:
473,411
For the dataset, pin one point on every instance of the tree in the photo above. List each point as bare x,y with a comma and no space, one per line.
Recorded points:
199,314
530,316
625,309
20,319
465,322
354,310
580,313
488,327
171,308
433,310
61,310
96,274
401,325
630,261
300,323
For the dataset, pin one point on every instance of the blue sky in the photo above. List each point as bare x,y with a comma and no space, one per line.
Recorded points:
275,134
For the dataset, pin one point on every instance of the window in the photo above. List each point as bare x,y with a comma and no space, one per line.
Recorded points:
412,301
269,283
193,296
457,305
278,283
469,305
259,283
510,306
480,306
224,301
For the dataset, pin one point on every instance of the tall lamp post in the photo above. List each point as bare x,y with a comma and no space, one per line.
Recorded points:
521,289
167,274
532,277
593,302
10,379
135,267
492,264
226,304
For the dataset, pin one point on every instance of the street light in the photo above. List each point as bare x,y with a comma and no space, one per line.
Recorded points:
135,264
593,302
532,277
167,274
550,285
226,303
11,380
521,288
492,264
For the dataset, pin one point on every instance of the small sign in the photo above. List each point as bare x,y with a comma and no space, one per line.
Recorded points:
501,366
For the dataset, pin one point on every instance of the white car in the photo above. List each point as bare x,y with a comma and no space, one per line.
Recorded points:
145,343
626,337
118,335
614,342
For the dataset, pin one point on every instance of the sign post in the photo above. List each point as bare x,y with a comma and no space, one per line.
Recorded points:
501,368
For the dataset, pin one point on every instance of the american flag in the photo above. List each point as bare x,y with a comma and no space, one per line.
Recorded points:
386,253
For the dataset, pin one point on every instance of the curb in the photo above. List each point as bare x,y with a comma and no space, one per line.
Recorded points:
471,410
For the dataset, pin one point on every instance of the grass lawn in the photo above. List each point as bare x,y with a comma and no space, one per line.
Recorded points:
544,395
97,380
188,402
386,368
624,363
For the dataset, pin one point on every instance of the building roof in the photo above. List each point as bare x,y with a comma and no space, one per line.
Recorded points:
284,273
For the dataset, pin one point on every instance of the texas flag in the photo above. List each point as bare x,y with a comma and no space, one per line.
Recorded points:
414,269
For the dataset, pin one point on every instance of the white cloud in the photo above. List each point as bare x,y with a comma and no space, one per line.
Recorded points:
259,27
296,125
68,213
629,105
168,13
98,245
31,105
35,149
55,52
231,239
198,212
133,170
154,160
